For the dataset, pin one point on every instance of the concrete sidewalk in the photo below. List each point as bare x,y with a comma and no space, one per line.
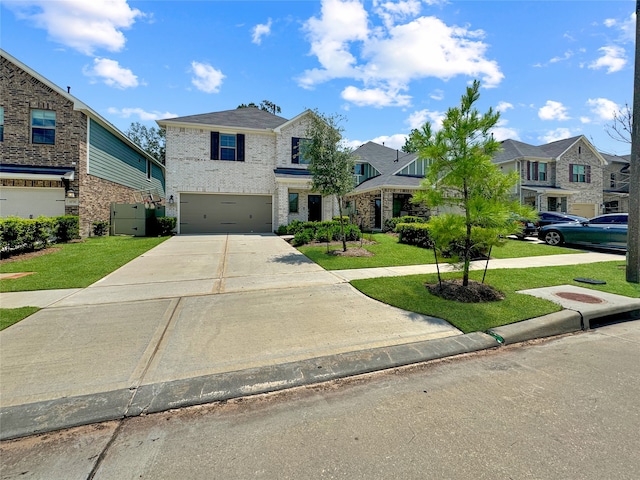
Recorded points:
206,318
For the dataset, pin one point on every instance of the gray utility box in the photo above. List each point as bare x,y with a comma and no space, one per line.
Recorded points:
135,219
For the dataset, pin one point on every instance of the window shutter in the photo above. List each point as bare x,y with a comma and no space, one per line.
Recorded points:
295,148
535,170
588,173
240,147
215,145
571,172
528,170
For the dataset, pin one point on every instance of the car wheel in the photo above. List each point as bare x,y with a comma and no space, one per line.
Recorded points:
520,237
553,237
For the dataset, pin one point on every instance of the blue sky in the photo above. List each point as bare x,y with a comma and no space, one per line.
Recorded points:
553,68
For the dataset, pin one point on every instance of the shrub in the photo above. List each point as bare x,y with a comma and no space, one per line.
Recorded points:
12,233
302,237
352,232
67,228
391,223
414,234
26,234
282,230
100,228
164,226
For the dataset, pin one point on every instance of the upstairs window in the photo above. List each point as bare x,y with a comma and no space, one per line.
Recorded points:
43,127
579,173
297,150
1,124
226,146
536,171
149,167
612,180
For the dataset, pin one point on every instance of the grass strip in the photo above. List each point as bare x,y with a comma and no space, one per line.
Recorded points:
387,252
9,316
76,265
409,293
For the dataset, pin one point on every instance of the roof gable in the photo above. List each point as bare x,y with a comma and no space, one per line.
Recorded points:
384,159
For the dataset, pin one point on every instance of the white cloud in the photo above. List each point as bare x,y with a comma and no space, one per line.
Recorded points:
419,118
585,120
567,55
392,12
613,59
627,27
504,106
557,134
111,73
553,111
604,108
261,30
391,56
206,78
437,94
80,24
375,97
396,141
502,132
140,113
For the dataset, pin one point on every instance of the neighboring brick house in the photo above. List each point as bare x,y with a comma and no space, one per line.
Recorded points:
239,171
386,180
616,183
60,157
563,176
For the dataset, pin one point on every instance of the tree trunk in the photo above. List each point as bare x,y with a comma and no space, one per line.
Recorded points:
344,239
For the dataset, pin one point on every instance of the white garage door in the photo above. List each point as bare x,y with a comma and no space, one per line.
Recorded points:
218,213
31,202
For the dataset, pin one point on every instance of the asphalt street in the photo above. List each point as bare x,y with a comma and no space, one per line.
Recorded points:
561,408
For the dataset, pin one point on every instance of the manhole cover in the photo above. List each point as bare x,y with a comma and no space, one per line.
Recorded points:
579,297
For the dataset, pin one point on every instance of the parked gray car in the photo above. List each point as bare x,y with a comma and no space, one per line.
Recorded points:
604,231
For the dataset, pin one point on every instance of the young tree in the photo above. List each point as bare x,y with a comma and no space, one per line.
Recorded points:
463,178
151,140
330,162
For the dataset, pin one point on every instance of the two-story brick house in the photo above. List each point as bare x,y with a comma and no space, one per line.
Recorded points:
239,171
60,157
616,183
563,176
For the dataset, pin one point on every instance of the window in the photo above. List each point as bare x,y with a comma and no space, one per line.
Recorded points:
225,146
297,150
149,170
43,127
542,172
293,203
1,124
579,173
358,169
612,181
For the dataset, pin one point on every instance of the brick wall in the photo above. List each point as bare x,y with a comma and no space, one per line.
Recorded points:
590,193
19,94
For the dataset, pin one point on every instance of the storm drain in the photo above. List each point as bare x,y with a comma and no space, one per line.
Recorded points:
579,297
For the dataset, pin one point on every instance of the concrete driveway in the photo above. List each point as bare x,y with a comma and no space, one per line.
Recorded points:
191,307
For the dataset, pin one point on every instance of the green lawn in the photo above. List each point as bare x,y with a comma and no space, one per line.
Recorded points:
388,253
409,293
74,265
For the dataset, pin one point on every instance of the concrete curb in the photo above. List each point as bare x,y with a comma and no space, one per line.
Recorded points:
558,323
40,417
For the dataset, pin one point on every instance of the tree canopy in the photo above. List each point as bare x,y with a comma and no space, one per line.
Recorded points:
265,105
477,198
151,140
330,162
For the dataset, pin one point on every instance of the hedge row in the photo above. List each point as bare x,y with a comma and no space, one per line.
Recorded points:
28,234
390,224
327,231
418,234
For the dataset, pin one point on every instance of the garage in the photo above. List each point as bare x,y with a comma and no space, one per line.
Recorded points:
221,213
32,202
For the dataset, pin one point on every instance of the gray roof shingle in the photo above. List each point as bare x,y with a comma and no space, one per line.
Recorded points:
387,161
250,117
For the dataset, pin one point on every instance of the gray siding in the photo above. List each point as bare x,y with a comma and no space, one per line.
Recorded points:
112,159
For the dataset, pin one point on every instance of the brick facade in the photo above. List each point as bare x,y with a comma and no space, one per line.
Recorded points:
22,91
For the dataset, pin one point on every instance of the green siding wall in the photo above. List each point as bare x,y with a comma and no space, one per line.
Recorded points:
417,168
112,159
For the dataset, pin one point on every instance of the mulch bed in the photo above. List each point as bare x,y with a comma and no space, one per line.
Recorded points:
475,292
28,255
351,252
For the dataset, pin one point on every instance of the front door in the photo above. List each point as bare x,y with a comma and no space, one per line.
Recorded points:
315,208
